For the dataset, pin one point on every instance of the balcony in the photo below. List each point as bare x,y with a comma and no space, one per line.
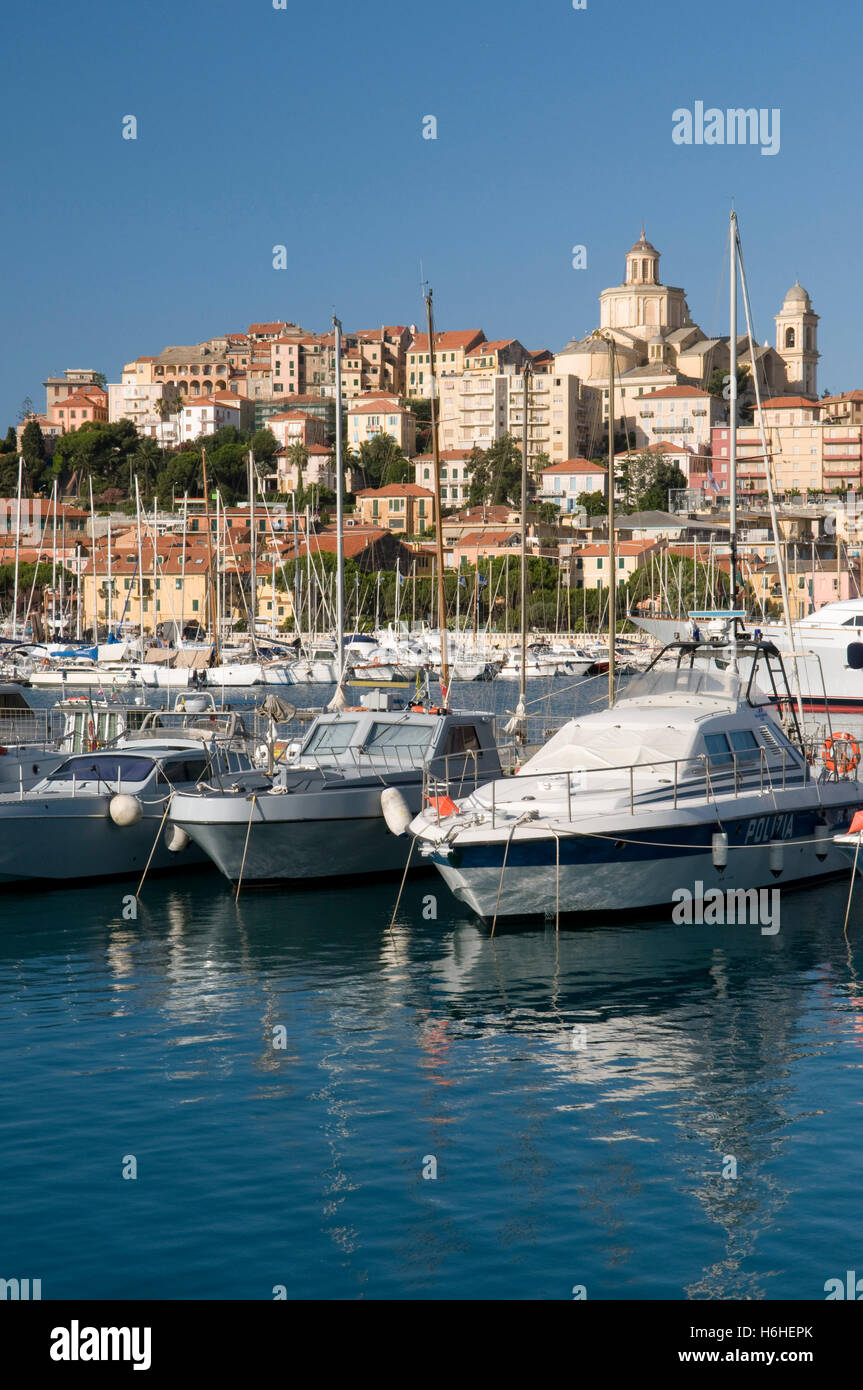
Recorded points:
674,429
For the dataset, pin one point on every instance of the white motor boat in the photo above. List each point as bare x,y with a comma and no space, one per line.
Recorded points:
321,814
827,656
545,662
687,782
98,814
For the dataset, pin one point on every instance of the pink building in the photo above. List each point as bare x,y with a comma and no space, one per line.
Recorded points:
82,407
297,427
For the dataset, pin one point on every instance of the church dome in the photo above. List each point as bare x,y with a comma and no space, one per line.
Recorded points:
797,295
642,245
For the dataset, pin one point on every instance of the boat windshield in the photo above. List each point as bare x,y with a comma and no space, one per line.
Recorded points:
331,738
104,767
683,681
407,738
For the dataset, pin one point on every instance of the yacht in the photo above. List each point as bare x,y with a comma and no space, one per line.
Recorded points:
100,813
688,780
826,659
320,814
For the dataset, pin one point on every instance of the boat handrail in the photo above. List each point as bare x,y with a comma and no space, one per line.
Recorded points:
701,776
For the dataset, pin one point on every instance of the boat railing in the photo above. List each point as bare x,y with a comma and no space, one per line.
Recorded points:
25,726
697,779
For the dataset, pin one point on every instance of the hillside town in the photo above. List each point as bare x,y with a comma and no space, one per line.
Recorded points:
99,453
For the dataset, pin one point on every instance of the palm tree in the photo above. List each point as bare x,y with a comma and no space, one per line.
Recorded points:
169,405
298,456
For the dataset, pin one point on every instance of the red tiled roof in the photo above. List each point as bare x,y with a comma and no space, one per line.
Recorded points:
356,540
661,447
673,392
577,465
396,490
486,537
777,402
495,346
621,548
446,342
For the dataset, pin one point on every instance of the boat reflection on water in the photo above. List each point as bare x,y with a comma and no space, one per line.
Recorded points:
587,1097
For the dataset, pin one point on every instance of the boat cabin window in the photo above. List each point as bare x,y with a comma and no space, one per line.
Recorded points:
717,750
105,767
407,738
461,739
331,738
182,770
744,744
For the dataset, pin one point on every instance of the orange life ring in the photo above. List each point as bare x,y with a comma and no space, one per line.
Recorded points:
841,762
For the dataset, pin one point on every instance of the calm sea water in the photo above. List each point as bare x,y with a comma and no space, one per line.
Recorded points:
579,1097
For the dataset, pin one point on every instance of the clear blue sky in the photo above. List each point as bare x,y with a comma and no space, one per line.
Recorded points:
303,126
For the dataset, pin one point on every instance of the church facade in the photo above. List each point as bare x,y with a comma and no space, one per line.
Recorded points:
657,344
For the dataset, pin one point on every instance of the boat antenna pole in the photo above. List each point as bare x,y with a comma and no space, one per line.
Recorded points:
441,587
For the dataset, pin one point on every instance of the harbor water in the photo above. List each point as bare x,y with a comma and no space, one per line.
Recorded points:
290,1095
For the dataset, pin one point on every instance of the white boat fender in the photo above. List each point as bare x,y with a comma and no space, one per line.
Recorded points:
125,809
395,810
176,839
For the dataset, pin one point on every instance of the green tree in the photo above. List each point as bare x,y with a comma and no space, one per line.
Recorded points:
495,474
26,409
382,461
655,496
264,447
33,449
594,503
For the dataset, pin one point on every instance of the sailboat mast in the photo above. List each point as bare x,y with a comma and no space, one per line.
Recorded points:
213,584
17,548
522,679
140,566
253,549
441,589
732,408
54,568
340,538
612,555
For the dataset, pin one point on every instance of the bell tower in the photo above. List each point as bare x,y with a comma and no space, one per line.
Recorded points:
797,341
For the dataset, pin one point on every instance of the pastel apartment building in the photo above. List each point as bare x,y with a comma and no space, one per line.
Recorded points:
678,415
208,414
297,427
562,483
81,407
454,475
397,507
57,388
450,350
374,415
811,449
